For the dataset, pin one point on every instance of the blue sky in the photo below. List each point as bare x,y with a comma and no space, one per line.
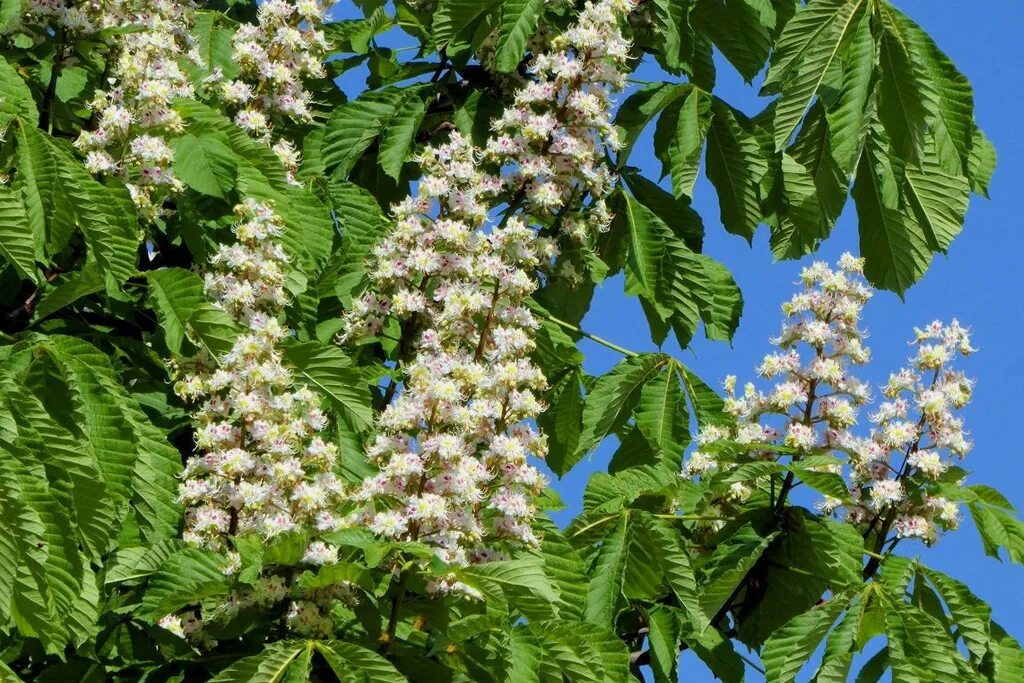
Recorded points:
978,282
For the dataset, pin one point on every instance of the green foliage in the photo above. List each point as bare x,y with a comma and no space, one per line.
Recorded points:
93,301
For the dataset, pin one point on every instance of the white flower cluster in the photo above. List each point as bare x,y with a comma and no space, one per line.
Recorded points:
134,116
274,55
263,469
815,402
454,447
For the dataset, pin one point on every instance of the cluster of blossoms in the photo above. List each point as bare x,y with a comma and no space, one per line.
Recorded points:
454,447
134,116
273,56
262,467
812,408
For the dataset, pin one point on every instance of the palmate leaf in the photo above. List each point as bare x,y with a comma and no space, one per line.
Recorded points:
521,582
677,286
269,666
919,647
813,188
354,664
452,17
577,652
330,372
400,133
663,641
939,199
790,647
662,418
185,577
36,179
18,100
563,422
837,656
727,567
640,109
355,125
354,35
106,216
610,401
184,311
969,613
806,49
565,569
519,19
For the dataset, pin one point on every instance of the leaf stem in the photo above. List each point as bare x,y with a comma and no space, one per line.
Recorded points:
591,337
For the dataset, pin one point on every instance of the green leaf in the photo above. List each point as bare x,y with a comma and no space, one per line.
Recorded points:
354,664
36,180
674,39
849,113
839,648
106,216
907,98
185,577
982,163
610,401
79,284
727,567
519,19
354,35
205,164
825,483
184,311
214,43
998,529
565,569
939,200
805,52
893,244
663,642
919,647
400,133
971,616
17,245
741,29
662,417
362,224
269,666
452,17
674,212
640,109
604,592
678,567
355,125
522,582
789,648
678,286
735,166
329,371
679,139
18,100
562,422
